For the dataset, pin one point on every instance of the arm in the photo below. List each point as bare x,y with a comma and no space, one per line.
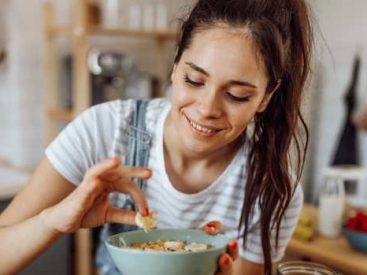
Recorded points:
21,225
39,214
23,235
24,241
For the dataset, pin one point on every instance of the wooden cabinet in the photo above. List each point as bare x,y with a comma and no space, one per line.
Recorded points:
79,32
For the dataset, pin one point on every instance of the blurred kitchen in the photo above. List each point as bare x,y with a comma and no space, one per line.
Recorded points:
57,57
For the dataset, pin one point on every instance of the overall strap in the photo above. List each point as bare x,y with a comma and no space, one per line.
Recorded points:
139,140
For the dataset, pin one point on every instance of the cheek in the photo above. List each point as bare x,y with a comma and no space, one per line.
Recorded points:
240,118
180,95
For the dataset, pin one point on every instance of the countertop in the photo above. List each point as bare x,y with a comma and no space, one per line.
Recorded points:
335,253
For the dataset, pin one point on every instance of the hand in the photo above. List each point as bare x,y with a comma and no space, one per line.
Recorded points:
88,206
226,260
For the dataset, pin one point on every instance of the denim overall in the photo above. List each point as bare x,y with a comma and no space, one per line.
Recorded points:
139,143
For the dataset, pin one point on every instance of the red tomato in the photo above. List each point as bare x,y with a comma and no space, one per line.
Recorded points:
358,222
352,223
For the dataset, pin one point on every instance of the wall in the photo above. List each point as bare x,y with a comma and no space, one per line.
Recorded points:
20,93
341,33
4,124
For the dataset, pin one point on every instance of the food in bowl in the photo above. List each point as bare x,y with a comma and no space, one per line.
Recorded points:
171,246
159,262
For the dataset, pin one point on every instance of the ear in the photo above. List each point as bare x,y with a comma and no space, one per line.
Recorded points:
265,101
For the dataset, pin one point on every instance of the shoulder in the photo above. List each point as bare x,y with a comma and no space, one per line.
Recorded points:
110,110
297,195
123,108
155,108
156,105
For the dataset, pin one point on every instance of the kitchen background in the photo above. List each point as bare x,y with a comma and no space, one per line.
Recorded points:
341,35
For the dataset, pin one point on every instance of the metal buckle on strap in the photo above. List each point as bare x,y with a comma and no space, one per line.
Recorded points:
138,134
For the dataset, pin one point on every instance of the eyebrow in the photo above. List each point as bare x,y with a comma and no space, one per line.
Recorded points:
232,82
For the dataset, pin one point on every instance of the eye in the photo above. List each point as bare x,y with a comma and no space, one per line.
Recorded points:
237,98
191,82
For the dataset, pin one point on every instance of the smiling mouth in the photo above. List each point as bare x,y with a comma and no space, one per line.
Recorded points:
201,129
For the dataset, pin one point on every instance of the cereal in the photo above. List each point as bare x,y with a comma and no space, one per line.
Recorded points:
171,246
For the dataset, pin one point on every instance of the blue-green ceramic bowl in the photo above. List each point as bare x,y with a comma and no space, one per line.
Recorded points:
138,262
357,239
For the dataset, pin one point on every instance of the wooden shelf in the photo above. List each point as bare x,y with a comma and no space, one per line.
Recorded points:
103,31
60,30
62,115
160,35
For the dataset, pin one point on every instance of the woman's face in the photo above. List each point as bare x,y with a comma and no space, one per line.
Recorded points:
217,87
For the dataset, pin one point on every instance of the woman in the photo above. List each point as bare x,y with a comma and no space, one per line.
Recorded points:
217,150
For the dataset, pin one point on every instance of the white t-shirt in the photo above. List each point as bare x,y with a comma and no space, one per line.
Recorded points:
91,138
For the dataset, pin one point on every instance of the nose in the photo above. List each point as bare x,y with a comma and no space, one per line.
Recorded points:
210,105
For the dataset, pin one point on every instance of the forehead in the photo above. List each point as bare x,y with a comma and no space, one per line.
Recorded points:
226,51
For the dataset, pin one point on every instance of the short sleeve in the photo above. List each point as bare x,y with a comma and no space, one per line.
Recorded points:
85,141
253,251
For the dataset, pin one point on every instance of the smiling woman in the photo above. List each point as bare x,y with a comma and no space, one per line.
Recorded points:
237,62
215,93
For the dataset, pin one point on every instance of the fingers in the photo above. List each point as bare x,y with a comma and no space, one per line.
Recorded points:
131,188
225,265
213,227
115,215
233,249
112,170
126,172
101,168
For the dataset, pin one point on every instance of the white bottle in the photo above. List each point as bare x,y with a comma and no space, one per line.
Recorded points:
331,206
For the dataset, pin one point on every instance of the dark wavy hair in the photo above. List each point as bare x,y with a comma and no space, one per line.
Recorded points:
282,32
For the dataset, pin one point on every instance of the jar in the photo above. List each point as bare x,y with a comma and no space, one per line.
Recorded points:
304,268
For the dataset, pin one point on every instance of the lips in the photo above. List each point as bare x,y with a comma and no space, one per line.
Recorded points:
203,129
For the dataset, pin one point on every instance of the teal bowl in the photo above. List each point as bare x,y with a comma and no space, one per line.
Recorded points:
356,239
138,262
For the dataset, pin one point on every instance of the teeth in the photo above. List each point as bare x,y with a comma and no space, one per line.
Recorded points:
200,128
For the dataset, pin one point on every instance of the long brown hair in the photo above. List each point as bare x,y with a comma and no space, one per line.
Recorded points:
282,33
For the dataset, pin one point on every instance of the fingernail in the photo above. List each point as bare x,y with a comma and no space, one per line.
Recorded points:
233,245
211,224
147,211
226,260
211,227
148,170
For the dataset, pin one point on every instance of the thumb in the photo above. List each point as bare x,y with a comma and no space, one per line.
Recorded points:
225,265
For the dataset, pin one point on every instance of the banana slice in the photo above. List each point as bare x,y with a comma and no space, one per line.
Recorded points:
147,222
194,247
174,245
